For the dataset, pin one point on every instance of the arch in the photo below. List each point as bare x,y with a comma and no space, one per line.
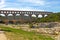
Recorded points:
33,15
2,14
17,14
10,14
40,16
45,15
26,15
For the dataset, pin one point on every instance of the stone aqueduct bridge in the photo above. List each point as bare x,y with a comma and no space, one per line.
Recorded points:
19,15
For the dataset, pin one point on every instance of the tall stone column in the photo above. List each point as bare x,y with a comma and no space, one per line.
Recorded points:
36,17
6,20
14,16
43,15
30,17
6,16
22,18
47,14
14,20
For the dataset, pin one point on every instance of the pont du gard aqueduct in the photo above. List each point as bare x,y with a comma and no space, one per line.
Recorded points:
18,16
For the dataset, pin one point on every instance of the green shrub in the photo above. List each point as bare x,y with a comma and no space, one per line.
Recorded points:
30,25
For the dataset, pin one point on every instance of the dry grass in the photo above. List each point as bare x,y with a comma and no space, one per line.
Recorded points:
18,34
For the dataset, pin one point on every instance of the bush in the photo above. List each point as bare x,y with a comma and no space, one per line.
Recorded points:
30,25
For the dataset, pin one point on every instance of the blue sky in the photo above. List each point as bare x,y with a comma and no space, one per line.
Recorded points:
36,5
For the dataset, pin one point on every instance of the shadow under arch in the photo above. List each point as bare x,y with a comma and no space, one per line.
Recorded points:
2,22
11,22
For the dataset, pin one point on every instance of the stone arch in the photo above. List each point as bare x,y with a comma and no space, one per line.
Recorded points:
33,15
45,15
10,14
2,14
39,16
17,14
26,15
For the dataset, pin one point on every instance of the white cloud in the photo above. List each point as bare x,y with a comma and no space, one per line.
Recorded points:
2,4
22,9
16,6
37,2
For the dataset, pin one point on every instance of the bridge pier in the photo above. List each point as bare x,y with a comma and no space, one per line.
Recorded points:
6,22
14,16
43,15
30,17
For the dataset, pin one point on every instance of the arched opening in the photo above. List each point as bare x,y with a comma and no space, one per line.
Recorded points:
45,15
39,16
26,15
33,15
1,21
2,17
2,14
11,22
17,14
10,14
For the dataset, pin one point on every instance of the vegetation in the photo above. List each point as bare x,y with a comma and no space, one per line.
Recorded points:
30,25
55,17
18,34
